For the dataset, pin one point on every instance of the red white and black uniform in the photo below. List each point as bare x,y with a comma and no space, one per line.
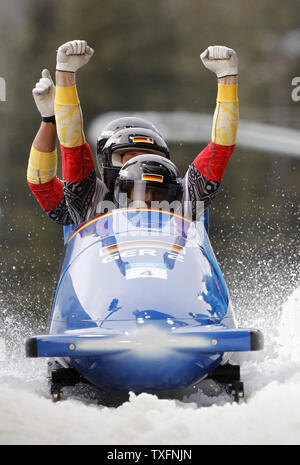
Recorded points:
77,198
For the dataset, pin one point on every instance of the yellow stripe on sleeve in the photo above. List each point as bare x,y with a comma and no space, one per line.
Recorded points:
68,117
226,116
42,166
227,93
66,95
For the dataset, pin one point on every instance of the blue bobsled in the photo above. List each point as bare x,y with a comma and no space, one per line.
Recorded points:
141,305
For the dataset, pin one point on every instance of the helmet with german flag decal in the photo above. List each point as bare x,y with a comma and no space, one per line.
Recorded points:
133,139
124,122
128,140
148,178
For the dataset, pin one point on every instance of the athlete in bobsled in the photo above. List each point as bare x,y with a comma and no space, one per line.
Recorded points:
80,195
96,325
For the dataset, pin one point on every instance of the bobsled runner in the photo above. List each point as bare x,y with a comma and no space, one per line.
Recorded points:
141,305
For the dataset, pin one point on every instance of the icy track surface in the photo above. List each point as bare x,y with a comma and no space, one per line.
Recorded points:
270,415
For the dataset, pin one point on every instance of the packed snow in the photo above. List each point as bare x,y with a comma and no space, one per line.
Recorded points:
269,415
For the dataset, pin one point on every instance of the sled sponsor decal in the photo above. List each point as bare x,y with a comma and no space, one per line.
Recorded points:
145,244
145,270
116,254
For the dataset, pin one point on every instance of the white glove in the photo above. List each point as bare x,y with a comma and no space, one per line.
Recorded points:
221,60
44,94
73,55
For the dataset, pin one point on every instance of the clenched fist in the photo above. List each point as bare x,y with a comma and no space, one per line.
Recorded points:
73,55
221,60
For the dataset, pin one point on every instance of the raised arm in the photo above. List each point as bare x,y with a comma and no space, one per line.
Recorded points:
207,171
42,164
77,161
224,63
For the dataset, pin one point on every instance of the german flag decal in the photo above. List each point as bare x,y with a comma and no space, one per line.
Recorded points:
144,140
152,177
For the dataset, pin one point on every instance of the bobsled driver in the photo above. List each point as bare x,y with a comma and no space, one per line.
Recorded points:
132,156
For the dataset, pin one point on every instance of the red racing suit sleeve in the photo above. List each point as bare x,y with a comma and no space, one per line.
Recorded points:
79,176
45,185
65,201
204,176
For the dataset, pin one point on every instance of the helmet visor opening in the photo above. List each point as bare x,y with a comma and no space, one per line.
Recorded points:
149,194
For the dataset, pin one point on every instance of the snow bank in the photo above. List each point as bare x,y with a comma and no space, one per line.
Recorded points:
271,414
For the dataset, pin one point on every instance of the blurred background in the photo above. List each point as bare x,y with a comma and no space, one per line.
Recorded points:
147,59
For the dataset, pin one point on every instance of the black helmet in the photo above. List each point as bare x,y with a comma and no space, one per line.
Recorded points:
122,123
125,140
148,178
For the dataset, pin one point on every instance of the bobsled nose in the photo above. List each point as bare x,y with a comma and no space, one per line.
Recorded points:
144,359
148,342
